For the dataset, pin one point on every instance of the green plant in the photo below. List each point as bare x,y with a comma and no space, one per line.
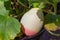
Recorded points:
51,19
9,26
12,10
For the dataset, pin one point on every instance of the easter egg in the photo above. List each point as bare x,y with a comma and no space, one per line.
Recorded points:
32,21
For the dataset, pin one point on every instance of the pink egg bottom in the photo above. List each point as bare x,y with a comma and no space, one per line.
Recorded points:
29,32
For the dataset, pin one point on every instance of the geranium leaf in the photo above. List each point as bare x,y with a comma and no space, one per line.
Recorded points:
5,7
9,28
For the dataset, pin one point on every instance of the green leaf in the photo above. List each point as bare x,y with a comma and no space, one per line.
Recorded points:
58,20
5,7
50,18
9,28
37,3
52,22
3,0
42,5
34,2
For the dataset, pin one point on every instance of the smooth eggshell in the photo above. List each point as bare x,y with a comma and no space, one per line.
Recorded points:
32,21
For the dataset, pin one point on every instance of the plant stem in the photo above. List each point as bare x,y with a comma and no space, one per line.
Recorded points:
23,4
55,7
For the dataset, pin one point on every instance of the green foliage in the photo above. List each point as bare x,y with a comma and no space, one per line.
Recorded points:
9,27
25,2
52,23
4,9
50,19
3,0
36,3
